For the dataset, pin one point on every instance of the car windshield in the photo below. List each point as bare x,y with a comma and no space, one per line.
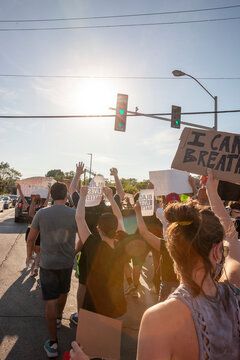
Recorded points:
5,198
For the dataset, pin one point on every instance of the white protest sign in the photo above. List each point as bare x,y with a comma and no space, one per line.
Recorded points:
95,191
37,185
146,200
170,181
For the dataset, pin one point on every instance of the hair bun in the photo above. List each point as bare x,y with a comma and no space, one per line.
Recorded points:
183,214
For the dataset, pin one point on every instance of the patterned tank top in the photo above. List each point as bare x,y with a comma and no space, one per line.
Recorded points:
217,322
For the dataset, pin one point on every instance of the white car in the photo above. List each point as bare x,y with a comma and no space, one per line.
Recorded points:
1,204
7,202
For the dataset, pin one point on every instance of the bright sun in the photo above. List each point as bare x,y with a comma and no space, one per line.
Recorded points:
92,96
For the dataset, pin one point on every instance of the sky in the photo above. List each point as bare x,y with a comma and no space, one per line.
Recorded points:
203,50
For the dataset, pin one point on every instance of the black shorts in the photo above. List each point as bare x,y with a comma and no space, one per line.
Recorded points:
55,282
37,242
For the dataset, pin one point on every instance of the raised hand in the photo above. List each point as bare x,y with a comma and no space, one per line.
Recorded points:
212,184
113,172
80,168
108,192
77,353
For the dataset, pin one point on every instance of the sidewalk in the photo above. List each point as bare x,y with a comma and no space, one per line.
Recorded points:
23,329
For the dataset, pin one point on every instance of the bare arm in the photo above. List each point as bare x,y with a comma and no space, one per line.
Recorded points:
152,239
232,261
31,212
25,203
116,211
119,187
48,196
79,171
32,236
219,209
83,229
78,245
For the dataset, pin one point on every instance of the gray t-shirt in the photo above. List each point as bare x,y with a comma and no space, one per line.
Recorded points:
58,229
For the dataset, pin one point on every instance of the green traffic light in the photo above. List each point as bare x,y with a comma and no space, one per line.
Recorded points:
177,122
121,111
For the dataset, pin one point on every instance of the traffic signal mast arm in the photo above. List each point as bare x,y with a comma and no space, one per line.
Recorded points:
164,119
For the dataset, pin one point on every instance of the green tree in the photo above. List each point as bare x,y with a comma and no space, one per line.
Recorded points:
8,178
57,174
69,174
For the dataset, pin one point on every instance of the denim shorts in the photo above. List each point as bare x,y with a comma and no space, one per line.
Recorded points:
55,282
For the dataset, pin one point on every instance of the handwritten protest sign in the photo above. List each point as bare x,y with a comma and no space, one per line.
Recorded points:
169,181
95,191
37,185
202,149
100,336
146,200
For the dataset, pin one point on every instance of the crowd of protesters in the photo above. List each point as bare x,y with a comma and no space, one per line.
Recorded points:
196,265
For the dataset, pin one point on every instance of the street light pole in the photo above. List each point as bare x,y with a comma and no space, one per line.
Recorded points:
90,172
181,73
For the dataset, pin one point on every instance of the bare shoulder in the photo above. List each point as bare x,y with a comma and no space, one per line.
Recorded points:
162,329
167,314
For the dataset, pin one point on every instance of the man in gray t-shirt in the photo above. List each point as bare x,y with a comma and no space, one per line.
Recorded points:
58,228
58,231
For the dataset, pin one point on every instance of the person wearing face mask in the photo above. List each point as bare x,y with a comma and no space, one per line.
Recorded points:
234,207
201,319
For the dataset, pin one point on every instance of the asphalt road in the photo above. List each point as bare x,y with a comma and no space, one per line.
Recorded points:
23,329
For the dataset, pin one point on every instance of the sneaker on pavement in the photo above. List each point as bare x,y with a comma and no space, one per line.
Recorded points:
74,318
129,289
51,350
59,323
32,273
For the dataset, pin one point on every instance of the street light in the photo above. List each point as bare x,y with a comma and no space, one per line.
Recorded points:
90,172
181,73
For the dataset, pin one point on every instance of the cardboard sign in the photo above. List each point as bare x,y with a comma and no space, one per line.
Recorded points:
100,336
37,185
146,200
202,149
95,191
170,181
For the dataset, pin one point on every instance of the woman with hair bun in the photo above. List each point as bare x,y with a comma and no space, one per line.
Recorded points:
201,319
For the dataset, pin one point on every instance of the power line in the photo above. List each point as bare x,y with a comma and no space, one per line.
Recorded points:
108,116
114,77
121,16
121,25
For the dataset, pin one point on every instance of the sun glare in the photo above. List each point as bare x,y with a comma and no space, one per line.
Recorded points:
92,96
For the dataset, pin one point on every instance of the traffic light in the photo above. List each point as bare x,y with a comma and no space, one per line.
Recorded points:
176,117
121,112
